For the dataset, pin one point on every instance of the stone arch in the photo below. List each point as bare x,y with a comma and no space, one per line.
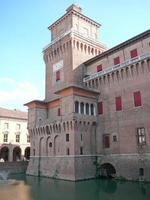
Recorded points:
122,73
51,129
132,70
117,75
112,75
107,170
39,133
44,130
81,46
127,72
104,79
95,51
143,66
40,154
74,42
77,44
56,128
88,49
137,69
47,130
71,125
85,48
4,153
100,80
48,146
148,64
17,153
108,78
59,127
41,146
41,130
27,153
57,145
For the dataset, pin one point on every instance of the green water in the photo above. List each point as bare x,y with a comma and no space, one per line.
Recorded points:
34,188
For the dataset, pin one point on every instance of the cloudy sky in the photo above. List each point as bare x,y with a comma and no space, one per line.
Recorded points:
24,33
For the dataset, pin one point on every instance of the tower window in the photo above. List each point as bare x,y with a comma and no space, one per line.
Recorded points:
57,75
117,60
67,137
114,138
76,107
82,108
141,139
118,103
99,68
92,109
81,150
137,99
87,109
133,53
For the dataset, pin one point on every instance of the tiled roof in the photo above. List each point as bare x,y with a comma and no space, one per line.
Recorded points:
17,114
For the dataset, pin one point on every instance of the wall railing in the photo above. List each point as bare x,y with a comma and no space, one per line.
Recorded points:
116,67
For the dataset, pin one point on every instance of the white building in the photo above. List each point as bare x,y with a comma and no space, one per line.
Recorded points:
14,137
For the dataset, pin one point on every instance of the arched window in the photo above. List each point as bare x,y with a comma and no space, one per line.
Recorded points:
82,108
92,109
76,107
87,109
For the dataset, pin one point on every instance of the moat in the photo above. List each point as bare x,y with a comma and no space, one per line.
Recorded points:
34,188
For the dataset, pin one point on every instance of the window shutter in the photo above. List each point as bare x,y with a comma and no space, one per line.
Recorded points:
137,99
100,108
99,68
118,103
57,75
133,53
117,60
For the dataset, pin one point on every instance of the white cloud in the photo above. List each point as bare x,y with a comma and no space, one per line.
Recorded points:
17,93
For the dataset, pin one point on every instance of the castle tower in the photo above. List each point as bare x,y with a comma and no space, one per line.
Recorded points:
73,41
63,126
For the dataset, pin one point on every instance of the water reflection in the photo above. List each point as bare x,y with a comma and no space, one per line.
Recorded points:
34,188
18,191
